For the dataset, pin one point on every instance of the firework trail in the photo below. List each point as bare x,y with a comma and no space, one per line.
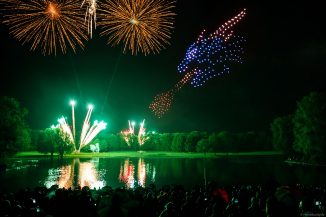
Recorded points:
88,132
73,103
212,55
126,134
129,133
64,127
48,24
142,138
141,25
163,101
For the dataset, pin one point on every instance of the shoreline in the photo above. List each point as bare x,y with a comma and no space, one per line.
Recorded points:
147,154
293,162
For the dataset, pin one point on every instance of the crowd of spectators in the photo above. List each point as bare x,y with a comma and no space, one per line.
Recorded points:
167,201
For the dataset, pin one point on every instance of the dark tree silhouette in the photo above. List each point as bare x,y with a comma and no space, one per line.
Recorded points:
14,132
282,134
310,127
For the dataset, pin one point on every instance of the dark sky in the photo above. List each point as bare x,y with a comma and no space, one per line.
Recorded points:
284,60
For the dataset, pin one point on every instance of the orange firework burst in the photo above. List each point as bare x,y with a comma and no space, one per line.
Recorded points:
142,25
48,24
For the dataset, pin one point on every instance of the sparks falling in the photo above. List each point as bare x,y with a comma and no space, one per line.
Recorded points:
142,25
88,132
213,54
90,15
126,134
129,134
46,24
142,138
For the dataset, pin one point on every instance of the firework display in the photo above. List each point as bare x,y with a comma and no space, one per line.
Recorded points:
129,134
126,134
142,138
46,24
88,132
90,15
65,128
163,101
73,103
141,25
212,55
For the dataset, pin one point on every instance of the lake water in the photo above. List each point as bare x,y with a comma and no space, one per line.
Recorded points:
133,172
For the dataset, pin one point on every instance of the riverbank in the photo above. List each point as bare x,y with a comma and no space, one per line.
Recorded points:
294,162
148,154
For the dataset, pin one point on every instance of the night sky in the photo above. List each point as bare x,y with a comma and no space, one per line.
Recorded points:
284,60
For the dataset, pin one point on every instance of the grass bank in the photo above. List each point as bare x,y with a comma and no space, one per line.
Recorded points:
149,154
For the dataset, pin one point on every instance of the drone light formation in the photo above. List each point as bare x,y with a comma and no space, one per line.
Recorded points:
46,24
212,55
88,132
206,58
128,134
162,102
141,25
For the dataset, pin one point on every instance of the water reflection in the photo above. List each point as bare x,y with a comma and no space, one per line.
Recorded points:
126,174
19,164
134,172
76,174
144,170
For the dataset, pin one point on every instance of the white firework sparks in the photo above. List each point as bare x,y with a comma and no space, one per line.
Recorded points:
88,132
129,133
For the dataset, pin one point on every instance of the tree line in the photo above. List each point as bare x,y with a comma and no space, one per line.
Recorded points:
302,135
299,136
194,141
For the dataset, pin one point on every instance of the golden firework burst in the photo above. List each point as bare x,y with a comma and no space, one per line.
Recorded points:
142,25
46,24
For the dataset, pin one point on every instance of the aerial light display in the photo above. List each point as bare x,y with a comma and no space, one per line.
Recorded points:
209,56
162,102
88,132
141,25
213,54
50,25
129,134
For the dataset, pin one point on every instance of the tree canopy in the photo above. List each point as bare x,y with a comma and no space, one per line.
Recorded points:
282,134
14,132
310,127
